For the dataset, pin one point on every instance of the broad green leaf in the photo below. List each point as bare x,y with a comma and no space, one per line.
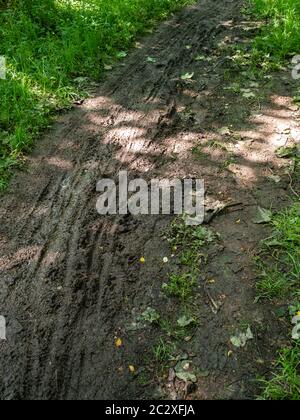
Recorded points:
150,315
240,340
186,376
286,152
184,321
121,54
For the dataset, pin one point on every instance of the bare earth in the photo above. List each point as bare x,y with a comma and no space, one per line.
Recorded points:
71,280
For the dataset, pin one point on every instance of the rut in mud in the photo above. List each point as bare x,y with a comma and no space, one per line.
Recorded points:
71,280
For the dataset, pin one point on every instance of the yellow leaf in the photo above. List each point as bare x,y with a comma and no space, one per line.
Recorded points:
118,342
132,368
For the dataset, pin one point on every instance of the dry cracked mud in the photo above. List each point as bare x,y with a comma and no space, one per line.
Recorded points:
71,280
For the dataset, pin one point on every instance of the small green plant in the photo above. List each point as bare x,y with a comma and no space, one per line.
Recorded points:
163,352
198,152
150,315
183,237
181,285
181,329
231,160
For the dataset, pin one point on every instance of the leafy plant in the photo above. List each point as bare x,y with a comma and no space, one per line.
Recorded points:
181,285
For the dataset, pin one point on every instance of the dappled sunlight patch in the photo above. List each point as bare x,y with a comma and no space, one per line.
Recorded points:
59,163
29,253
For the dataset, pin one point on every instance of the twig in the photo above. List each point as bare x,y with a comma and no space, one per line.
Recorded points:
215,308
291,186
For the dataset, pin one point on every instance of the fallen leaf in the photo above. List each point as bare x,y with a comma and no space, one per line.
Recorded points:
225,131
200,58
186,376
121,54
107,67
248,95
187,76
132,369
151,60
118,342
240,340
263,216
81,80
183,371
184,321
275,178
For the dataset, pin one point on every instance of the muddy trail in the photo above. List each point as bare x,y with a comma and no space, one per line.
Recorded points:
72,281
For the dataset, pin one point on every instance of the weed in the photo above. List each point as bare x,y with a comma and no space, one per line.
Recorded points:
183,237
175,331
163,352
197,152
181,285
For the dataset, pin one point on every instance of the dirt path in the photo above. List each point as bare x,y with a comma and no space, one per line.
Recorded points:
71,280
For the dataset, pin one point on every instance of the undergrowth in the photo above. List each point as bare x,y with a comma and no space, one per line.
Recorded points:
53,49
279,271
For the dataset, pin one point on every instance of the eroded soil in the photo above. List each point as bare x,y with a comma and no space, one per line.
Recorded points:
71,280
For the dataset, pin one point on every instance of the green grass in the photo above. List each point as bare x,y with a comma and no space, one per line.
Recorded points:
51,47
279,269
181,285
285,384
280,35
163,352
187,242
279,265
280,274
